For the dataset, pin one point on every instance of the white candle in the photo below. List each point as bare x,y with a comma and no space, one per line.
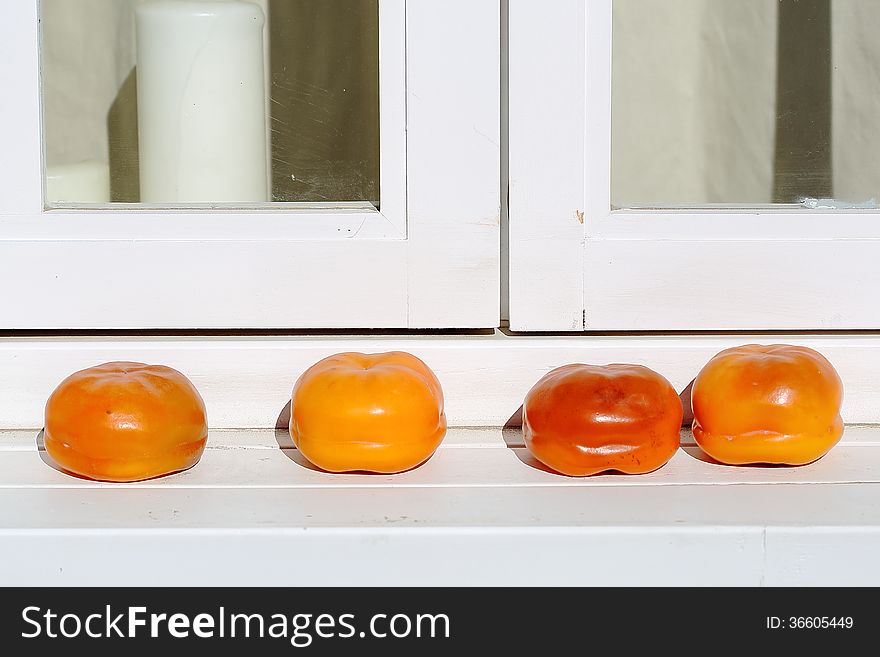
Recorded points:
202,119
83,182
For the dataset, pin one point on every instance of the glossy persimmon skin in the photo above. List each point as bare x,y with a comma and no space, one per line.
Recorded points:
125,422
581,420
378,413
776,404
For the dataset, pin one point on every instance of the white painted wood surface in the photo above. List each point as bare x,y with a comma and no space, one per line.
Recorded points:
470,458
246,380
477,513
296,267
694,269
546,163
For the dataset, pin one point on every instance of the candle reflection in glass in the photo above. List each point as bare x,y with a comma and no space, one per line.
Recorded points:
202,102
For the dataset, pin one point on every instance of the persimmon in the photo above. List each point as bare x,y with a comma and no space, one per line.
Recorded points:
581,420
378,413
776,404
125,422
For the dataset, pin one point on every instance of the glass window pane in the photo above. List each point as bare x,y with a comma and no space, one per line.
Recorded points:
754,102
172,102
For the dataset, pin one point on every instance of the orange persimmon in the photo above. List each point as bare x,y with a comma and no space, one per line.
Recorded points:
581,420
775,404
374,413
125,422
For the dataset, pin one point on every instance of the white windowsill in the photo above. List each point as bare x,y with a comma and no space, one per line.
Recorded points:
246,380
480,512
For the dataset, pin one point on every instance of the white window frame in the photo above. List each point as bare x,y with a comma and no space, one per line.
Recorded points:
429,258
577,265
